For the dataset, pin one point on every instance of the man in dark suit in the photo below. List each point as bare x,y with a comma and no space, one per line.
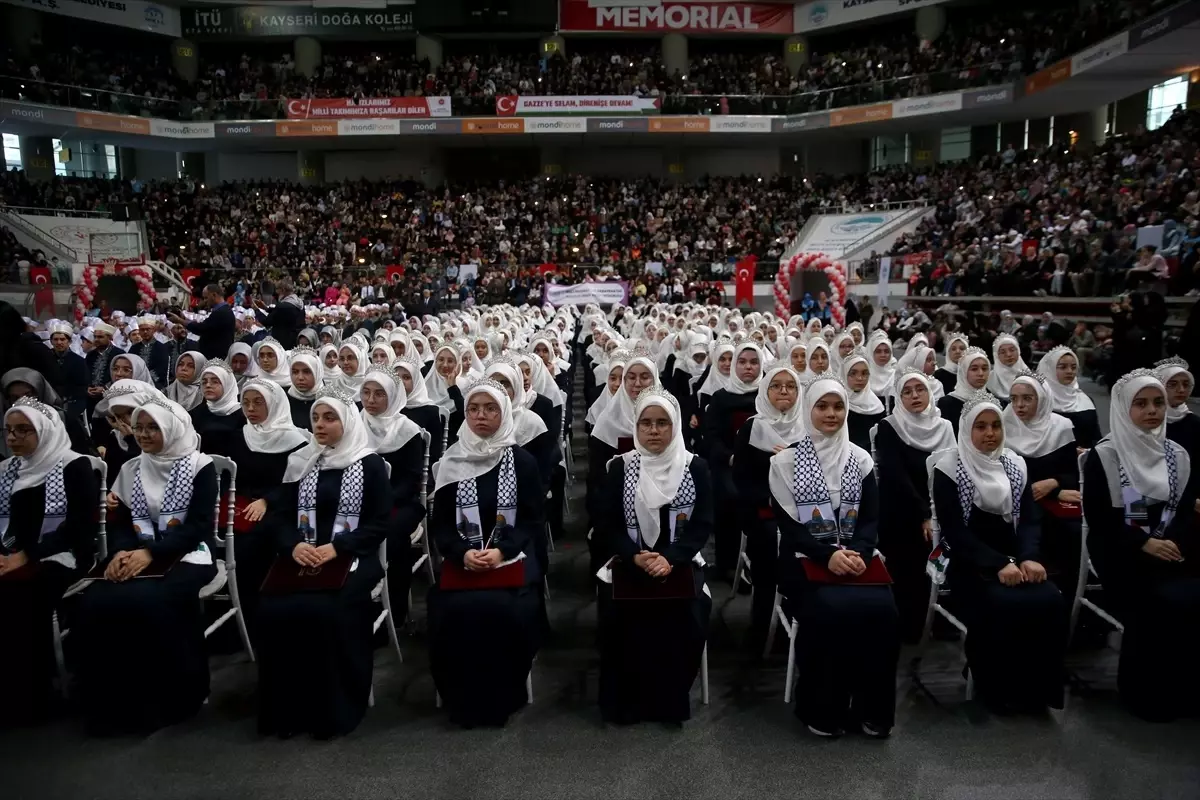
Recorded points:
216,331
71,367
286,319
156,354
99,362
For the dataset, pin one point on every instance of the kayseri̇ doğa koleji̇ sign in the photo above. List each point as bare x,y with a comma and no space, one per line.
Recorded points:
260,21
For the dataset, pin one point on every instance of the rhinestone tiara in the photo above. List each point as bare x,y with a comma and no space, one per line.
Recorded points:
500,358
482,383
1028,373
971,352
658,392
302,350
381,370
335,392
115,391
981,397
1173,361
29,401
1140,372
258,383
218,363
827,375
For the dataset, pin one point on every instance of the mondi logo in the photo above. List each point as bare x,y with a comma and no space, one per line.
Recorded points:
613,125
993,97
1155,29
234,130
424,127
27,113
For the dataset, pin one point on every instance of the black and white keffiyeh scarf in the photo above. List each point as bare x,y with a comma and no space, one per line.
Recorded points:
814,506
466,497
966,488
681,506
350,500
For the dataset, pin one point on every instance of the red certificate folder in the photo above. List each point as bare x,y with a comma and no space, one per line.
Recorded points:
240,523
287,577
630,582
1060,509
876,574
456,577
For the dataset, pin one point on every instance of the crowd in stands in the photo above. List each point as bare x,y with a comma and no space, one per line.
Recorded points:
860,66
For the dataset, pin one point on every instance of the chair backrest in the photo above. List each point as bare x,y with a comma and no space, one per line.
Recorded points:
930,466
225,466
874,458
445,434
100,467
425,470
1083,551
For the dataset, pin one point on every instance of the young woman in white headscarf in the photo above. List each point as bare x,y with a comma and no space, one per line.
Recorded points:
219,419
882,365
777,424
352,365
307,378
419,406
329,361
1006,365
613,384
654,607
127,366
824,498
1061,369
529,429
398,440
442,388
1183,427
185,389
314,642
1016,619
1139,495
487,522
840,349
241,362
161,524
974,370
922,357
947,373
272,361
904,440
864,408
725,415
47,542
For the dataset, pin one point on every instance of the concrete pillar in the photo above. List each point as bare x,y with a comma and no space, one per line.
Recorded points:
37,157
430,49
925,148
1039,132
1193,95
307,52
185,58
310,167
675,53
193,165
22,27
1099,124
127,163
795,53
1130,113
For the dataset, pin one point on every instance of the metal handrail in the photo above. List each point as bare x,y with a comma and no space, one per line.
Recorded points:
56,212
899,222
862,208
12,218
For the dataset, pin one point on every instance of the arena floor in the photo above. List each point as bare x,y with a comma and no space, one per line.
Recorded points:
746,743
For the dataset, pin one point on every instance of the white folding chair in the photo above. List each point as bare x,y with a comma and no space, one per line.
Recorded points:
420,536
101,469
1086,570
936,592
874,457
791,628
383,595
226,578
739,572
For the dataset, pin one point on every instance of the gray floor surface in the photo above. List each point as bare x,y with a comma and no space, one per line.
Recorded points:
746,743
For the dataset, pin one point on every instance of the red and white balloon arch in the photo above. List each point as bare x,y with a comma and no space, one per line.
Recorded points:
817,262
86,291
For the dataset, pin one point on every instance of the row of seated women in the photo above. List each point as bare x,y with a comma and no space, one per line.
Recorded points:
1027,536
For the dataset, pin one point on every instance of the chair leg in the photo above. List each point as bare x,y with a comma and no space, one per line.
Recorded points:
549,539
970,684
773,625
236,600
740,569
371,698
529,688
704,675
60,661
390,619
428,557
791,665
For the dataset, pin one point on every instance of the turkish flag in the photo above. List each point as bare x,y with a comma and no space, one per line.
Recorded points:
506,105
395,272
1029,248
744,287
190,276
547,267
43,293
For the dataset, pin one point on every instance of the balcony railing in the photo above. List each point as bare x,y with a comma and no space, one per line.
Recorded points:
95,99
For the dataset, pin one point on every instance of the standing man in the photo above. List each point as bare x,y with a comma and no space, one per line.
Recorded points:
156,354
216,331
286,319
71,367
98,361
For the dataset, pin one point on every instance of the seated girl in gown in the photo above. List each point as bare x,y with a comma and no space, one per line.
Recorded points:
1016,619
974,371
488,512
151,630
1060,368
865,409
1006,365
307,378
397,439
443,390
314,645
272,362
947,373
1139,491
1046,441
658,516
48,498
1183,427
824,498
185,389
219,419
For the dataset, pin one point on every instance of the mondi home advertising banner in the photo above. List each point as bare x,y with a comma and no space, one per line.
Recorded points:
512,105
255,21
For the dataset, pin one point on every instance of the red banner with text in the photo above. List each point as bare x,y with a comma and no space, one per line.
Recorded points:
368,107
665,16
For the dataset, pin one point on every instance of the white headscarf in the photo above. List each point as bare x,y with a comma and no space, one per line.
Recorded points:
54,445
419,396
605,397
1067,399
473,455
389,430
735,384
331,374
277,433
835,356
228,404
1043,434
282,374
715,381
352,383
180,441
436,386
963,389
527,424
883,377
618,419
864,401
952,366
811,346
242,349
993,489
311,359
926,431
140,371
914,358
1142,453
189,395
353,446
1000,381
661,475
1166,370
542,383
772,427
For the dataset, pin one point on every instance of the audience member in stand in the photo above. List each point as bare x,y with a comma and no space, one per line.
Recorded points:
72,367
